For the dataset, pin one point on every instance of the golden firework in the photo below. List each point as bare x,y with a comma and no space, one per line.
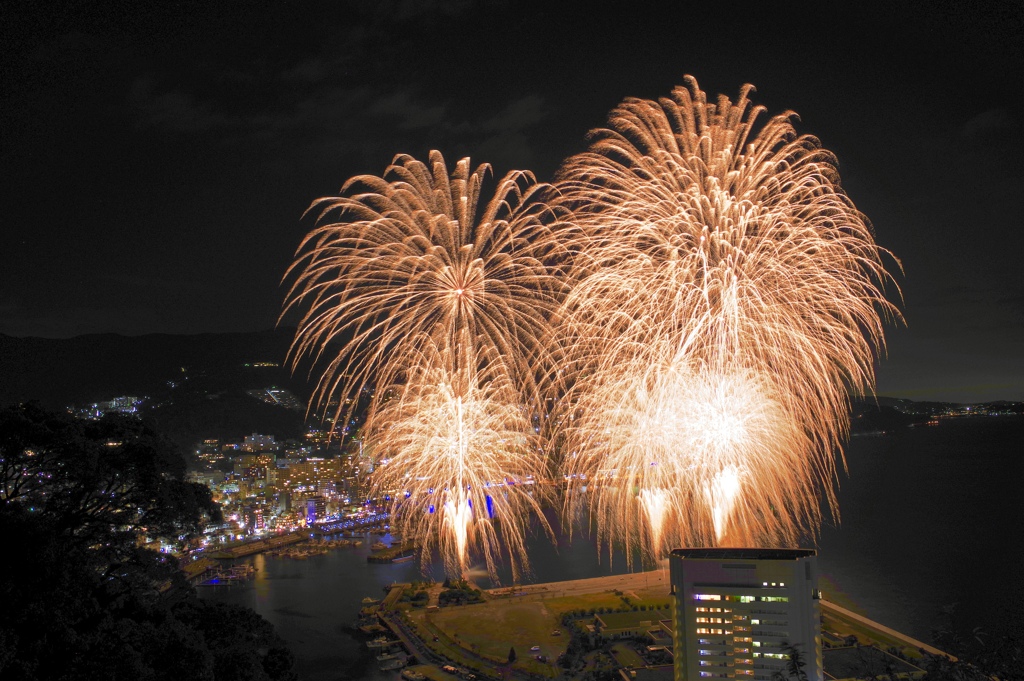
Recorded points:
461,464
728,296
413,277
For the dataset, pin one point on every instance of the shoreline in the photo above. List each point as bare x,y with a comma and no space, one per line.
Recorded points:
640,586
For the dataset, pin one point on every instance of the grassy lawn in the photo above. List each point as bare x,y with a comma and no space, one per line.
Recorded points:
490,630
444,646
563,604
865,635
626,656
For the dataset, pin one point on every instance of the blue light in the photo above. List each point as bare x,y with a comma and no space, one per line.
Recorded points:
490,507
431,509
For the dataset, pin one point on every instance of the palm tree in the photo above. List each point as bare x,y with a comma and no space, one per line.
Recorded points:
794,666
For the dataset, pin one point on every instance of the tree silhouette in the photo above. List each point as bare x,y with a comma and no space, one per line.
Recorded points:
794,664
83,598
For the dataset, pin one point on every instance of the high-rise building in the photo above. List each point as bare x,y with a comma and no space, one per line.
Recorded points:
259,443
745,613
316,509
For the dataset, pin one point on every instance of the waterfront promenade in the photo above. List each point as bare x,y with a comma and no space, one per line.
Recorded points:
838,614
629,584
252,546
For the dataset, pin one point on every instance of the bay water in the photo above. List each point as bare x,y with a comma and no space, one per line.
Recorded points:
931,519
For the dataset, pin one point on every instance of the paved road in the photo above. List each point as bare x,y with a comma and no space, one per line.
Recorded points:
652,581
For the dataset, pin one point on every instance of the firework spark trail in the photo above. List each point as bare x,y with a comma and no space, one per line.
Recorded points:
411,269
723,275
462,460
679,452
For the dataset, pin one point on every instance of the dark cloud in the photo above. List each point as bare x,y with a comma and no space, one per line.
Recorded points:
413,10
175,110
986,123
157,158
407,110
309,71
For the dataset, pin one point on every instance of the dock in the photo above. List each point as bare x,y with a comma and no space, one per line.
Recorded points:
253,546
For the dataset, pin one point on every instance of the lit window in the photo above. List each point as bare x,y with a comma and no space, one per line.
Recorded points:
707,597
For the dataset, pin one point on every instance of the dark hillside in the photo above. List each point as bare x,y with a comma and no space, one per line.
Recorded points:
84,369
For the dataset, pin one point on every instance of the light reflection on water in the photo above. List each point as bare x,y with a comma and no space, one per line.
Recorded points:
929,518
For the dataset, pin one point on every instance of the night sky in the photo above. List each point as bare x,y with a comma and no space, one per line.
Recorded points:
156,161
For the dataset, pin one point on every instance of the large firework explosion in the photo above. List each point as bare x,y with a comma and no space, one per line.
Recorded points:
462,461
440,301
728,297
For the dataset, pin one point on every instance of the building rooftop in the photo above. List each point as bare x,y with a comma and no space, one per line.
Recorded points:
663,672
744,554
646,619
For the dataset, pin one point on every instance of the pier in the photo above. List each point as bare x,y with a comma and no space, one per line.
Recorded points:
348,524
253,546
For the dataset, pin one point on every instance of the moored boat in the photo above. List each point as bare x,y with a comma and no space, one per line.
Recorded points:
397,663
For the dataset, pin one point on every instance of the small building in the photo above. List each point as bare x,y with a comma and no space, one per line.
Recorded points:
628,624
662,672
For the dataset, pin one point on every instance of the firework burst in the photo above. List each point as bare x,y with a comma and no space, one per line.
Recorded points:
461,461
410,278
728,296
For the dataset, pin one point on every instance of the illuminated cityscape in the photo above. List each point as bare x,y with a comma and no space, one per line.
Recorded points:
591,362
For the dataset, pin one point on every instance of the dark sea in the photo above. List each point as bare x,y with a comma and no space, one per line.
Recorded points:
931,519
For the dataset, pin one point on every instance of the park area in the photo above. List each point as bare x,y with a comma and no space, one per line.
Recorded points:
530,623
542,622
